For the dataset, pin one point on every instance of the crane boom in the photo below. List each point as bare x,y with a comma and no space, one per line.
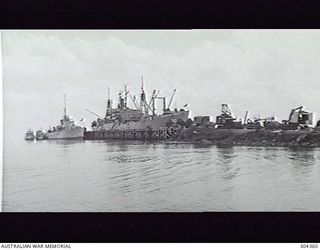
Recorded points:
293,110
95,114
133,100
174,91
246,117
153,95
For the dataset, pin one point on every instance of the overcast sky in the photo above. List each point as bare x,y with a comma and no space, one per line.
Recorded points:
267,72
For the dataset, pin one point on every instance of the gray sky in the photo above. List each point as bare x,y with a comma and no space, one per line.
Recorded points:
267,72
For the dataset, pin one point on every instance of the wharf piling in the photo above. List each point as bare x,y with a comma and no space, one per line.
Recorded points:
149,134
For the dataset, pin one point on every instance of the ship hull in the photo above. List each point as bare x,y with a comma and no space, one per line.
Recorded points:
158,122
40,137
73,133
29,138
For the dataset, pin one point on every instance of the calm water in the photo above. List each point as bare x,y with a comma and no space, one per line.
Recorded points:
135,176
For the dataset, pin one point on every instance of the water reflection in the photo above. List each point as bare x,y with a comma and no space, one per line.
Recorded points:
30,141
272,153
129,158
306,156
302,160
147,176
63,142
226,156
121,145
174,145
202,145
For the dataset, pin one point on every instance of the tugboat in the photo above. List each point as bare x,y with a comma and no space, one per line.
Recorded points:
29,136
67,128
40,135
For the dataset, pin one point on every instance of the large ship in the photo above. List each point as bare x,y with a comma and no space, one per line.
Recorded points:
143,116
67,128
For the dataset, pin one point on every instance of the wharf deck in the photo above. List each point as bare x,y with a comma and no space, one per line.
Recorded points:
150,134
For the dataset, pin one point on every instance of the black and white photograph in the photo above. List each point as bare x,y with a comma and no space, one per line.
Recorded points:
161,120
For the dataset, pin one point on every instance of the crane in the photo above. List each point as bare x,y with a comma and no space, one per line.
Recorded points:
95,114
152,100
299,109
134,100
174,91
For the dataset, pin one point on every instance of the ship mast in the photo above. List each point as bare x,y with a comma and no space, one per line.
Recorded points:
65,106
125,96
143,105
109,104
142,96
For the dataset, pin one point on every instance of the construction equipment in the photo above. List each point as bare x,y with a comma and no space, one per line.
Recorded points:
226,120
246,117
174,91
259,123
203,120
299,119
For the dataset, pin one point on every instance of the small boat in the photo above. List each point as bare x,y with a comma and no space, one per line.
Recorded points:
40,135
29,136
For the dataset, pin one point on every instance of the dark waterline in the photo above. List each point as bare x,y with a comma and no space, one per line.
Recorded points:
100,176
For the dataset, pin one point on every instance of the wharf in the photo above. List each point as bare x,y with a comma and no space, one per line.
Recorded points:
244,137
150,134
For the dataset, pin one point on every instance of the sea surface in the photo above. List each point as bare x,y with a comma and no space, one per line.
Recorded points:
128,176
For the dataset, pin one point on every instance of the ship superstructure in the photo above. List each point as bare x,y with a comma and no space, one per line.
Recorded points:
67,128
29,136
40,135
143,116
